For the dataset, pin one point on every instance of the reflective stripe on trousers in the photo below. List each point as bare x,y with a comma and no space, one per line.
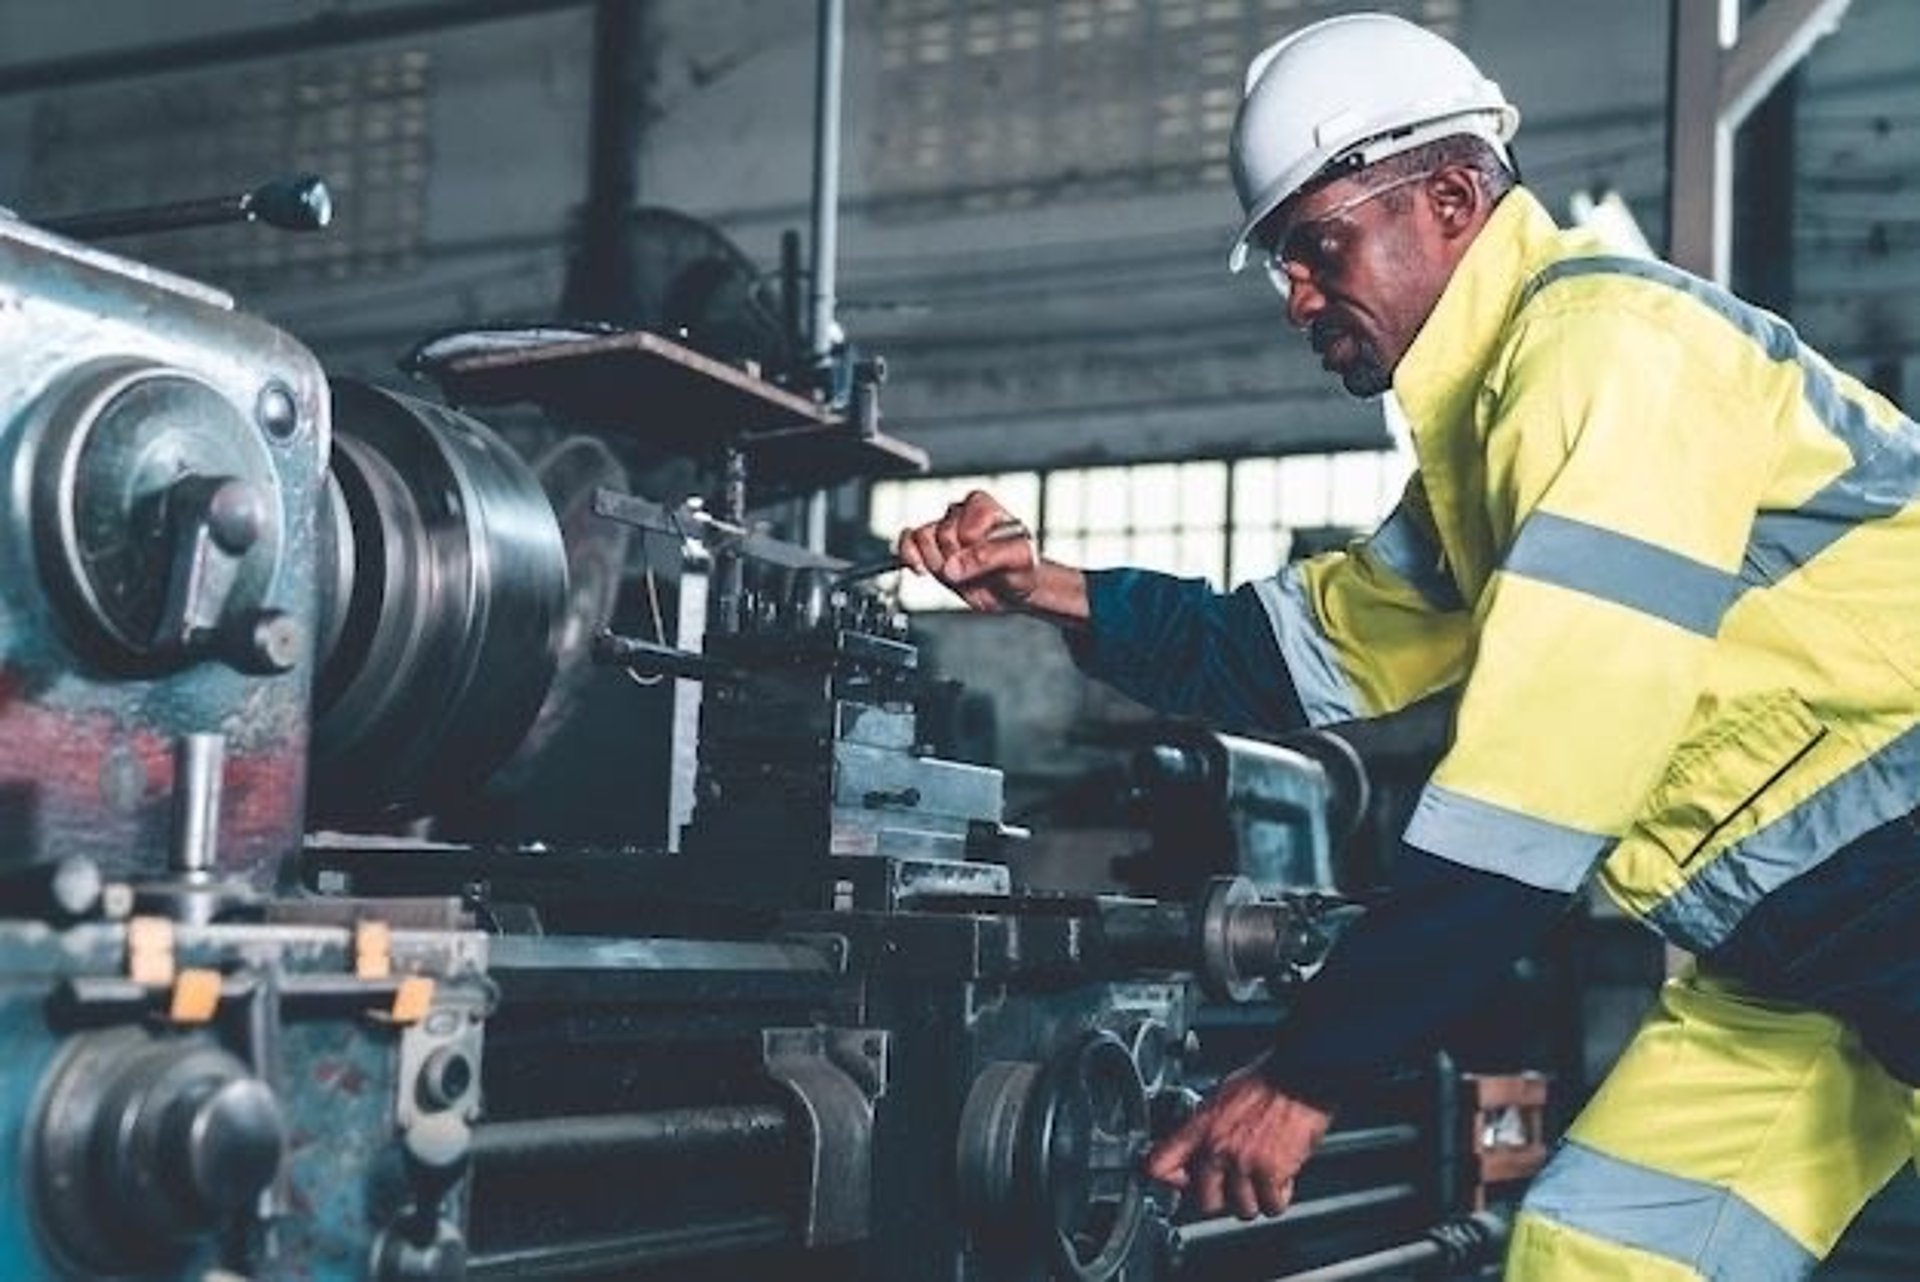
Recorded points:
1733,1142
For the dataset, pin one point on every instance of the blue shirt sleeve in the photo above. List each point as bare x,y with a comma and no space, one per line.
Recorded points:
1434,947
1179,647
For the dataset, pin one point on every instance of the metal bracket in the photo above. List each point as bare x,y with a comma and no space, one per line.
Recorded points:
835,1074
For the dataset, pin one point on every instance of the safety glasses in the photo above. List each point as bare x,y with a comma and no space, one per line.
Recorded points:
1315,245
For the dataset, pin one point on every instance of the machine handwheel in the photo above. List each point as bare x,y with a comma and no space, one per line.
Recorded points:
1054,1149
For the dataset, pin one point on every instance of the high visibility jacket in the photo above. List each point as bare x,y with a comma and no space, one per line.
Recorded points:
1671,555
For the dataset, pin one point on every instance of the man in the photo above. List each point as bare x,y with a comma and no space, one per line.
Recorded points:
1667,555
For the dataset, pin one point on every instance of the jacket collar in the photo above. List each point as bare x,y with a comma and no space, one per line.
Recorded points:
1449,359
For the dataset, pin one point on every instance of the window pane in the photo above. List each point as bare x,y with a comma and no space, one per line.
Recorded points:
884,508
1069,549
1255,483
1155,496
1156,550
1303,490
1258,555
1066,500
1355,490
923,592
1202,553
1203,494
1104,551
1106,500
1018,492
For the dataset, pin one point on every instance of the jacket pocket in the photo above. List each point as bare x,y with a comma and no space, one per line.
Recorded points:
1714,780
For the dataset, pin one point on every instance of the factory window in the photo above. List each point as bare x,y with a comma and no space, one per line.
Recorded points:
358,119
996,104
1225,521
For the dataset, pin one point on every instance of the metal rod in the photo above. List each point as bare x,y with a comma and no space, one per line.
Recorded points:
1368,1140
599,1257
1202,1234
667,1132
1371,1265
1454,1245
199,762
826,173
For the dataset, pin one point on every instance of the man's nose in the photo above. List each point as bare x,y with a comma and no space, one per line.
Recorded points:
1304,299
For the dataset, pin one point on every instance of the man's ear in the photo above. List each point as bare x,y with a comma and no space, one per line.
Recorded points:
1457,199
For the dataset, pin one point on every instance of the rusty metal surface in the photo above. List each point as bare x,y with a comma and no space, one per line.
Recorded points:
86,756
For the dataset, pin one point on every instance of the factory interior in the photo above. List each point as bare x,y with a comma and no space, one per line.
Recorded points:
481,795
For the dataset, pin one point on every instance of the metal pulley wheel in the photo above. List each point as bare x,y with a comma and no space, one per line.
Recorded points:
444,599
1050,1153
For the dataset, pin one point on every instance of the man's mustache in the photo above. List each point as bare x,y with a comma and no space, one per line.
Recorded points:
1322,333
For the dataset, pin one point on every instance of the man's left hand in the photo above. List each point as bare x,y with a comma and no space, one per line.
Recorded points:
1242,1148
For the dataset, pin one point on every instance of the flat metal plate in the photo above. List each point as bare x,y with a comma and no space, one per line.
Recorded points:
673,398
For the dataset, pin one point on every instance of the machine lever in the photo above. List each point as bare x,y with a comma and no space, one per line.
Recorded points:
297,203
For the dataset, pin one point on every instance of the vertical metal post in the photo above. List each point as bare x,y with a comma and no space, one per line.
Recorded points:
1719,72
729,579
600,283
830,52
689,634
826,173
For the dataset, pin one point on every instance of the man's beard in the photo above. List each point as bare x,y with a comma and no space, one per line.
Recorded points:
1366,375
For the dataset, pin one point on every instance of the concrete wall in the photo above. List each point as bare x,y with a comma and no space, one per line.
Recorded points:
505,156
1071,328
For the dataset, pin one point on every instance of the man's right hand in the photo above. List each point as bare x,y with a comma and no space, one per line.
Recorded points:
980,550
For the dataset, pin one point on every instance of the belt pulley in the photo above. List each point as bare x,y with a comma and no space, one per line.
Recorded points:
1050,1155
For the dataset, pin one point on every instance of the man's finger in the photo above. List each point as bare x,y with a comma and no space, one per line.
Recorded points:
983,559
1272,1192
1209,1188
931,558
1245,1200
946,533
1168,1160
981,599
978,514
908,550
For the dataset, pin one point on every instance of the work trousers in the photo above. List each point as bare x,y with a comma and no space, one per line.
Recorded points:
1769,1094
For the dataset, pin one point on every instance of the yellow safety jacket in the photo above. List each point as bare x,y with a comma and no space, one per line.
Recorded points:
1674,556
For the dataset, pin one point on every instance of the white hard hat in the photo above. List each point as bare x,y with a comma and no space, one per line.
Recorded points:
1353,90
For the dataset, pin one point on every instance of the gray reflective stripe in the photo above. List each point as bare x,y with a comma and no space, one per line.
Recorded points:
1879,484
1624,570
1479,834
1709,1229
1702,913
1885,476
1405,548
1325,693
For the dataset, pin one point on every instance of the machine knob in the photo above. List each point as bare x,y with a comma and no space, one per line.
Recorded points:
227,1137
156,517
143,1144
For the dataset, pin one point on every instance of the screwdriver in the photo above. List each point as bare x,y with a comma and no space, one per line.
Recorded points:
1000,532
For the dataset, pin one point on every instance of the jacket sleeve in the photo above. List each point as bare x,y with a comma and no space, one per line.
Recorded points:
1622,483
1350,634
1375,1006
